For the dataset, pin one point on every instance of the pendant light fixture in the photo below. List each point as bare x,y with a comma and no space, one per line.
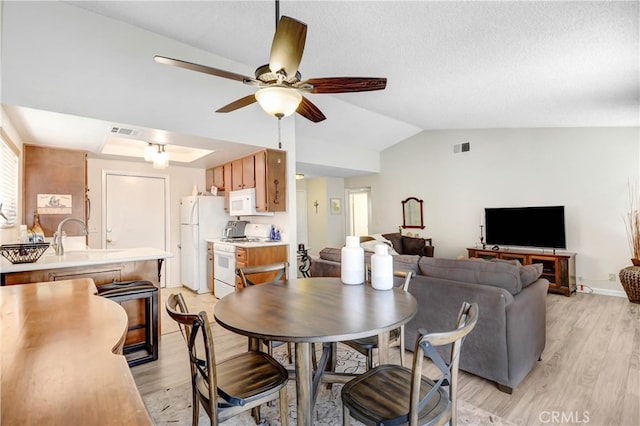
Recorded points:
149,150
160,158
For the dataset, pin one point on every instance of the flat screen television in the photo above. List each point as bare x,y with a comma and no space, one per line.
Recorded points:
526,226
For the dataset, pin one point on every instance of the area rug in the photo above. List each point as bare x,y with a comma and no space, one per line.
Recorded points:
172,406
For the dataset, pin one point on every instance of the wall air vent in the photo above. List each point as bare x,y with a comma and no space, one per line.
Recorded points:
462,147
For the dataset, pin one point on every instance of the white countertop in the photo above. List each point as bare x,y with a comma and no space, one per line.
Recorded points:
87,257
249,244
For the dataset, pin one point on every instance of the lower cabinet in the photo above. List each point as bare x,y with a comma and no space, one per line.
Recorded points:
559,269
254,256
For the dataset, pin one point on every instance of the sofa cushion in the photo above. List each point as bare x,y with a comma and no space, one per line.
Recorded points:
396,241
411,245
331,253
496,274
530,274
406,262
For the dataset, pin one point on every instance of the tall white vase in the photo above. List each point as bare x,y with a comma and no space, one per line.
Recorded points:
352,262
381,268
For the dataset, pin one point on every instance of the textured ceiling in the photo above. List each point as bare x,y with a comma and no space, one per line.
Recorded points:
449,65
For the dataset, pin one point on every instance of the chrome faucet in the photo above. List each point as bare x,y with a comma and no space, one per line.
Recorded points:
57,237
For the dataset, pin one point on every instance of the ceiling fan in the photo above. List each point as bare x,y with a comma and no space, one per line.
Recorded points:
279,81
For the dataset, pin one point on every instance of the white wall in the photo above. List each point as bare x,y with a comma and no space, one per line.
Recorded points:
325,229
584,169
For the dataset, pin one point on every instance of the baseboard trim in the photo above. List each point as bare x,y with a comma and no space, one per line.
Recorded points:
602,291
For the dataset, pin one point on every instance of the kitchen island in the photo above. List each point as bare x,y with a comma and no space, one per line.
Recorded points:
104,267
62,360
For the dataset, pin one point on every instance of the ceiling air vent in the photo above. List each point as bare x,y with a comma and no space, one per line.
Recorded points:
462,147
124,131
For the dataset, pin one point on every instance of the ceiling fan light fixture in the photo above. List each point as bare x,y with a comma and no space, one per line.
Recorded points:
278,101
160,158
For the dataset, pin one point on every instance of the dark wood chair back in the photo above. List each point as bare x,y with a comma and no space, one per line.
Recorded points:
230,387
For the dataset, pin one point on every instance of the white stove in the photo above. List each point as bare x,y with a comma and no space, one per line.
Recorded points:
224,255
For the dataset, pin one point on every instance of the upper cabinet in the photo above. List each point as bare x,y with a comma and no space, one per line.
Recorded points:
271,182
243,173
265,171
54,174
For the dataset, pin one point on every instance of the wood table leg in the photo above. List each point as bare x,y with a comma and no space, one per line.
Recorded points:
304,378
383,348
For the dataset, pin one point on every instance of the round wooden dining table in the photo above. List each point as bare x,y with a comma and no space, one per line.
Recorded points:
312,310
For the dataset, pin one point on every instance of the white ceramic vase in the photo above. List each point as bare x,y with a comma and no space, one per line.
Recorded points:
381,268
352,262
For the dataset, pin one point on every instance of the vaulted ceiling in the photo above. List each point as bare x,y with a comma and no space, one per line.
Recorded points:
450,65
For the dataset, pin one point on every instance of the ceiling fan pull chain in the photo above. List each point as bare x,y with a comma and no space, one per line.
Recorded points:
279,135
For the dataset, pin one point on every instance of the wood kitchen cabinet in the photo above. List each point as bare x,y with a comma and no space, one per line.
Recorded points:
54,171
242,173
214,176
559,269
264,255
271,180
266,171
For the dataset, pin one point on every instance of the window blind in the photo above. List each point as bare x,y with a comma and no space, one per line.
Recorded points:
8,184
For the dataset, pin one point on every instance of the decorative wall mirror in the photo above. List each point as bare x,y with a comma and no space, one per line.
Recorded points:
412,213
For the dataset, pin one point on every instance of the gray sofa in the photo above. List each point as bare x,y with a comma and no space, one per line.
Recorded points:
409,250
510,335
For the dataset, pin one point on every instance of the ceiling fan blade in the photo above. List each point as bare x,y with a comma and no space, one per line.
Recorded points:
237,104
345,84
287,46
310,111
200,68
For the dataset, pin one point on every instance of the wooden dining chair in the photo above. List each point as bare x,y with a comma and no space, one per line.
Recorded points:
366,345
394,395
230,387
272,272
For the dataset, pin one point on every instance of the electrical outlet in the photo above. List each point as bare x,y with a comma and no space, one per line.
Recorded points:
612,277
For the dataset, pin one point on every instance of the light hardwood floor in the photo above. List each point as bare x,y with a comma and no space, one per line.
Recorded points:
589,373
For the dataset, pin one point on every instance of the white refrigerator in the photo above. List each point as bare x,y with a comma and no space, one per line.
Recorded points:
201,218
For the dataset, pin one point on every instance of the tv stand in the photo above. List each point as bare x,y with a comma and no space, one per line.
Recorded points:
559,269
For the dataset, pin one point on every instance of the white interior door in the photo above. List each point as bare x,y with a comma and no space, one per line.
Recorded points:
135,212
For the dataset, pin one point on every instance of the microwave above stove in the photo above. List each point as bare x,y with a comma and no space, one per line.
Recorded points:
243,203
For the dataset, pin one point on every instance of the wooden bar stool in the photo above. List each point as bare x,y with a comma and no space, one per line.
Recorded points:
137,290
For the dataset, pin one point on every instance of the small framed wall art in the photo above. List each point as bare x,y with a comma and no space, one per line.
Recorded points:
335,205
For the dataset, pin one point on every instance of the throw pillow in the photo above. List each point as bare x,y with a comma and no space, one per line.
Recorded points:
396,241
495,274
412,245
380,238
530,273
371,246
509,261
332,254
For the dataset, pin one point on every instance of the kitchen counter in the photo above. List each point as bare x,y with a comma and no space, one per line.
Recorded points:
62,358
249,244
89,257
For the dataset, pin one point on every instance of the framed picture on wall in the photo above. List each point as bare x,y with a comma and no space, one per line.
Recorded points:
335,205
